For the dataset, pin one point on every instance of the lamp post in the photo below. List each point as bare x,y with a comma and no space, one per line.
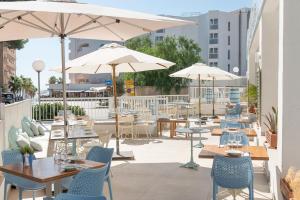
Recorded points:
39,66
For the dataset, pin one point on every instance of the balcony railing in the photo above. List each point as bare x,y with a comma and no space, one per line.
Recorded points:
213,55
214,26
213,41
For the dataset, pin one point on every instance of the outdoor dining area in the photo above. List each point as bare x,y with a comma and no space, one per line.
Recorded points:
81,151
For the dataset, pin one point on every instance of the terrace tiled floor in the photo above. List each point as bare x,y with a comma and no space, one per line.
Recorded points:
155,173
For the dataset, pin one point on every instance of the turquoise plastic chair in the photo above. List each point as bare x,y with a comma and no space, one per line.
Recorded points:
232,173
230,124
86,185
225,137
88,182
15,157
98,154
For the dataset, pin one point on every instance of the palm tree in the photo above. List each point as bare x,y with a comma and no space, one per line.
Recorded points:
15,85
52,80
27,86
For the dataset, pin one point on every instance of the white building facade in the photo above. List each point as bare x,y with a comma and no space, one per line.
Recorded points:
222,37
273,59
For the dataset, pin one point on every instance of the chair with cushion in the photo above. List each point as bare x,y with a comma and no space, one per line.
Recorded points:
97,154
225,137
15,157
232,173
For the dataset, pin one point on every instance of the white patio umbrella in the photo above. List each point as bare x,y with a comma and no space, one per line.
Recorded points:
38,19
201,71
114,58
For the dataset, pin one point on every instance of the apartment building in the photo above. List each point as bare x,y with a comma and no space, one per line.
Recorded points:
7,64
222,37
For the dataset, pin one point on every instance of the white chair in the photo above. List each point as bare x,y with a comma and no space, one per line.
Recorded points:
126,126
142,124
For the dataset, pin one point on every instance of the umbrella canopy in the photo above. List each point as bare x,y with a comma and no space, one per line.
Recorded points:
124,59
206,73
38,19
201,71
114,58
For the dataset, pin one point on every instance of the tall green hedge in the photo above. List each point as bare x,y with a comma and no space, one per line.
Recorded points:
49,110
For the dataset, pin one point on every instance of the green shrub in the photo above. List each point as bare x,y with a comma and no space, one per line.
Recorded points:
49,110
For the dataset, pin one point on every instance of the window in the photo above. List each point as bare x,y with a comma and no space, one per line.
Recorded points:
214,23
160,31
213,38
228,26
228,41
213,53
228,67
159,38
213,64
84,45
228,54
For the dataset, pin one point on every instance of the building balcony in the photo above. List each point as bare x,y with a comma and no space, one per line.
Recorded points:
214,26
213,56
213,41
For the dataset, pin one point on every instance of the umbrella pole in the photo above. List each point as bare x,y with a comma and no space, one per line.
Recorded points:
213,93
199,101
116,105
63,63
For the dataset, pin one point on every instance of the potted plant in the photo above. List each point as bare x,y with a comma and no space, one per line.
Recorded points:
27,153
271,124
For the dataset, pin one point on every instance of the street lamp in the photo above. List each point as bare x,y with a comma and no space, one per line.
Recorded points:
236,69
39,66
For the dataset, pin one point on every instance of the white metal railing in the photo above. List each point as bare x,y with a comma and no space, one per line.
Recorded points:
101,107
222,94
94,107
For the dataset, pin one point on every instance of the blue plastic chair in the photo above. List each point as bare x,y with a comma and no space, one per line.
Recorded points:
232,173
230,124
88,182
225,137
237,110
98,154
15,157
67,196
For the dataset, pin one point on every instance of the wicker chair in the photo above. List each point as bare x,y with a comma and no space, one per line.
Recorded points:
232,173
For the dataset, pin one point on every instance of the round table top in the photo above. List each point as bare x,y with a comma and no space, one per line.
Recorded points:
183,130
199,130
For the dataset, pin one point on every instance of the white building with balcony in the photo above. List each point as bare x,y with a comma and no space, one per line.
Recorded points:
222,37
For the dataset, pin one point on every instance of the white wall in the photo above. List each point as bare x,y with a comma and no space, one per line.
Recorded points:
289,85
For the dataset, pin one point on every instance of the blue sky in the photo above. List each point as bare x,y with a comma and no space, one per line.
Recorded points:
49,49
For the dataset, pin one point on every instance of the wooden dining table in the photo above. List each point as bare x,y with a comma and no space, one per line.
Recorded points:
173,125
46,171
248,131
255,152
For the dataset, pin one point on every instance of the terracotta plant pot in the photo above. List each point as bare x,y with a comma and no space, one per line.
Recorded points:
271,139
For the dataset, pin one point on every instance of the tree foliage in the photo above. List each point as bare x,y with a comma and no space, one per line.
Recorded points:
22,86
251,93
182,51
52,80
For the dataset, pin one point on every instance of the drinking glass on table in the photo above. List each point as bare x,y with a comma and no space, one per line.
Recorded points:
238,138
231,139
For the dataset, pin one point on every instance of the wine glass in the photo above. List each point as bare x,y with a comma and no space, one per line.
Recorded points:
238,139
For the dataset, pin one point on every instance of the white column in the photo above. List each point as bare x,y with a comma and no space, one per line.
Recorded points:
269,52
289,85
